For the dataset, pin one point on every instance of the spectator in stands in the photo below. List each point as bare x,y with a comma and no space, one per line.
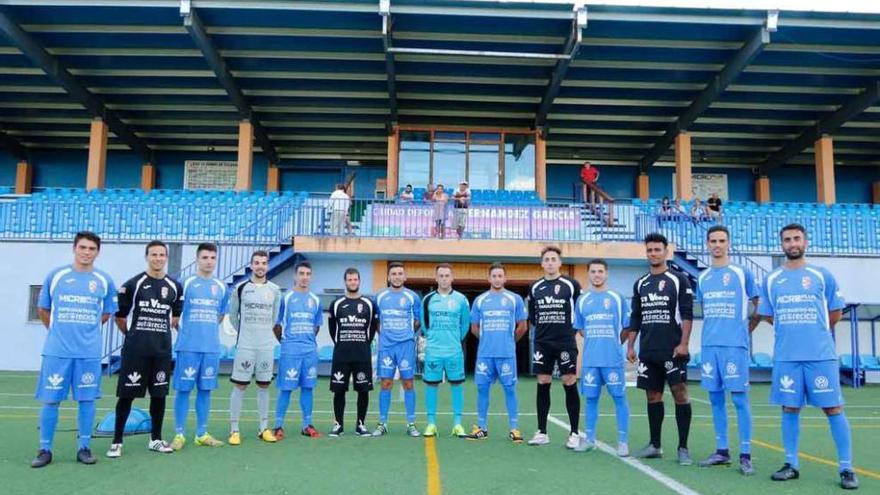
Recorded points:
429,193
339,206
589,175
462,197
698,211
714,206
440,200
407,195
665,211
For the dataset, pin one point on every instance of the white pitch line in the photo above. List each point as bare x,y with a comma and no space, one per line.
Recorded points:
666,481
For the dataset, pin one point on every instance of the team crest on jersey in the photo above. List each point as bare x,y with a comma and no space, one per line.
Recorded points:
209,371
668,365
93,286
311,303
613,377
164,292
213,290
451,304
661,285
725,279
404,364
402,302
556,289
361,376
806,282
731,369
606,303
504,302
360,307
160,377
505,368
821,382
564,357
87,378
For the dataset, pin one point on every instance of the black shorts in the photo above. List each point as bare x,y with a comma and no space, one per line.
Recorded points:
360,371
654,373
547,354
139,373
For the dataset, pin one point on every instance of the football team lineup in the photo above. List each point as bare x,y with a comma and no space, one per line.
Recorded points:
423,335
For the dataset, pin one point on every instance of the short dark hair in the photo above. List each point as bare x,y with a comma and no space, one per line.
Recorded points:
155,243
597,261
497,266
554,249
717,228
351,271
793,226
206,246
340,186
393,265
442,265
302,264
656,237
259,253
87,235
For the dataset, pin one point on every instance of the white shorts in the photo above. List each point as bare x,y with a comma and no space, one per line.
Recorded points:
251,362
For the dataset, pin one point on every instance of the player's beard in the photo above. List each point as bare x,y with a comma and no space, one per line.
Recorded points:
794,254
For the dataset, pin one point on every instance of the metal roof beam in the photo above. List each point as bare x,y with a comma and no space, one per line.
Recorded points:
199,34
390,71
59,73
572,45
743,57
827,125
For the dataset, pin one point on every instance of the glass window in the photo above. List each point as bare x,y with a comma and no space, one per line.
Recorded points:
519,162
449,163
415,159
483,168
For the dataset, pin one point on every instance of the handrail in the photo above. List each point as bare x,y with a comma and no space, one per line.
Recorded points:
597,201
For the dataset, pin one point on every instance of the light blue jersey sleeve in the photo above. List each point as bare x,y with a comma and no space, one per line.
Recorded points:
832,292
627,312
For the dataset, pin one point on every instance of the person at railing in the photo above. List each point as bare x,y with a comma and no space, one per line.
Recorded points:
440,200
462,197
340,203
589,175
428,196
407,195
698,211
714,206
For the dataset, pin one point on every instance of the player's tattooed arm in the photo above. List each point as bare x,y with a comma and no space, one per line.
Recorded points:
45,317
834,317
754,318
277,331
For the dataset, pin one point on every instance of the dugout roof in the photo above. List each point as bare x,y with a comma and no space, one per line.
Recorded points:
323,79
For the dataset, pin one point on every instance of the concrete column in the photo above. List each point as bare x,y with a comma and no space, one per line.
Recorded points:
683,183
541,166
97,165
392,172
762,189
273,181
24,177
825,186
643,187
148,177
245,171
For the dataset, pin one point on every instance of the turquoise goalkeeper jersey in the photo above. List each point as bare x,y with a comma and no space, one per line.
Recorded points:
447,321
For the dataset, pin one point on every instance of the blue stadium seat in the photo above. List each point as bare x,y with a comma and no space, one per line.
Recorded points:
762,360
870,362
846,361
